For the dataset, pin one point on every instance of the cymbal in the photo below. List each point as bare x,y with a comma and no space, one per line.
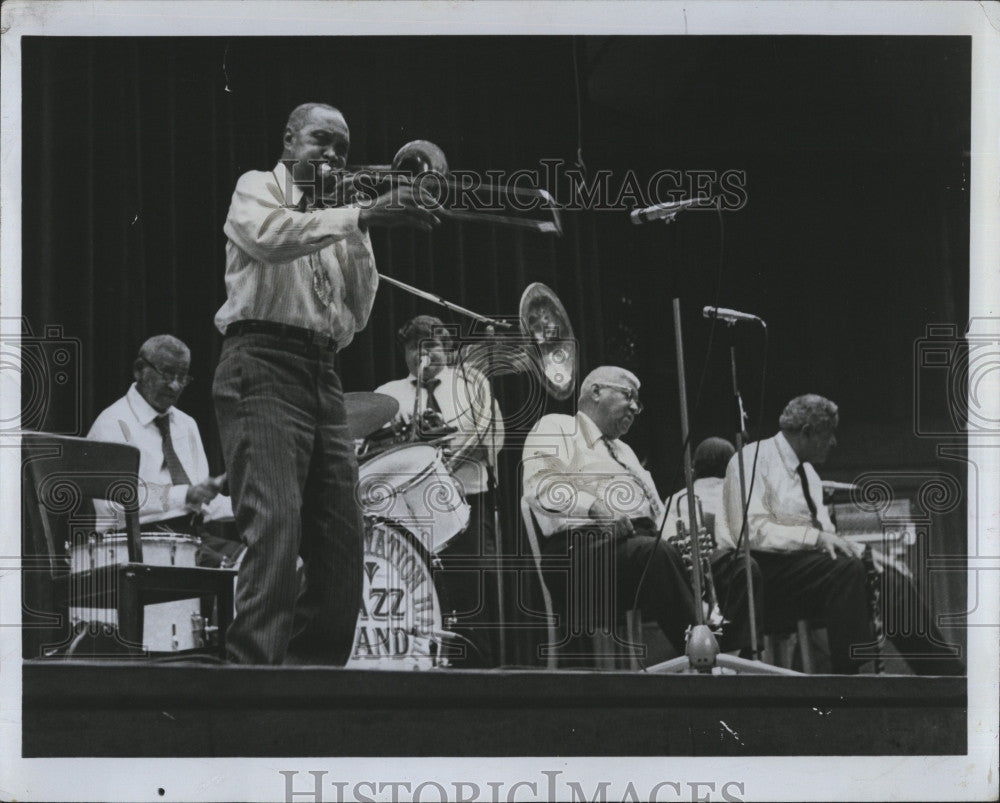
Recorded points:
368,412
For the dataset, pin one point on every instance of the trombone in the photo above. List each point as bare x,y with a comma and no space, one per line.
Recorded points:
423,166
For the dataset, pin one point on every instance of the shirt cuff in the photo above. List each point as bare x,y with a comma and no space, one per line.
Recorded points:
810,537
177,497
351,224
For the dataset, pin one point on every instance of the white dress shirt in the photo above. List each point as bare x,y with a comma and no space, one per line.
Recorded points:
778,516
568,466
708,491
464,398
312,269
131,420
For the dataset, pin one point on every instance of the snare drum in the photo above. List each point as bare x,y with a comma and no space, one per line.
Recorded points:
158,549
411,486
167,626
399,625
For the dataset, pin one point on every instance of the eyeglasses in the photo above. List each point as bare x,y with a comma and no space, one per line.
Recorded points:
170,377
631,394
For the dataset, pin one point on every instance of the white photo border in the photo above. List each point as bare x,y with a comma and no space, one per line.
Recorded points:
970,777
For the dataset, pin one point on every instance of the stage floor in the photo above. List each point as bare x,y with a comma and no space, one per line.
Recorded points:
119,709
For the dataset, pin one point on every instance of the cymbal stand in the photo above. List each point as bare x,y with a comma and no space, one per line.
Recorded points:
492,485
493,323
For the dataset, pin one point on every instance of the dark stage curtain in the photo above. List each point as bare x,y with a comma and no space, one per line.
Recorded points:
848,247
136,147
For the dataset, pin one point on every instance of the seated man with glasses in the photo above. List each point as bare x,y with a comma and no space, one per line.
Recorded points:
176,492
580,479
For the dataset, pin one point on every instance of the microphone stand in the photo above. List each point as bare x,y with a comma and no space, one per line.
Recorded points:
701,652
744,537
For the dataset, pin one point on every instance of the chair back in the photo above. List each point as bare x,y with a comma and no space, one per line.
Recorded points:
531,531
62,475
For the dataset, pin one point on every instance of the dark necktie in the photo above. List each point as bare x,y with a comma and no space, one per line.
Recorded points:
809,499
432,403
655,505
172,463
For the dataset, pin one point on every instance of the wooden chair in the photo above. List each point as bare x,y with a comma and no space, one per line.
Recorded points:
783,640
606,650
62,475
531,531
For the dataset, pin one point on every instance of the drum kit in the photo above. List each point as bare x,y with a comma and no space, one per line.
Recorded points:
412,504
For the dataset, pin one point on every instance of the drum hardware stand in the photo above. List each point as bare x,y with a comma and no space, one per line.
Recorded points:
702,649
409,288
492,489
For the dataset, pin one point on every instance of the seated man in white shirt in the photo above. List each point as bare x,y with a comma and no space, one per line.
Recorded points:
458,399
176,492
577,470
806,569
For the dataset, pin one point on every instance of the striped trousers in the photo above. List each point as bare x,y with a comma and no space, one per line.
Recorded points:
292,477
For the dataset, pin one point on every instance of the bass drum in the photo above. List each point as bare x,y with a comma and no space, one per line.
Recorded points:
399,624
411,486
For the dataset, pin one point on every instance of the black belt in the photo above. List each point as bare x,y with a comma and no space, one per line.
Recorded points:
297,333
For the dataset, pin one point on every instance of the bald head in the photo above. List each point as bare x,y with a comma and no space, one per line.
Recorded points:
609,396
302,113
607,374
316,138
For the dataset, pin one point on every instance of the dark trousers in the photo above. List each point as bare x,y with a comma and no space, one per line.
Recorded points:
789,586
593,577
292,476
909,623
466,586
793,585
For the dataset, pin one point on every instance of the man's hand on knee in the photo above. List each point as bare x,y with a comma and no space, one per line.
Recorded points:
622,524
833,544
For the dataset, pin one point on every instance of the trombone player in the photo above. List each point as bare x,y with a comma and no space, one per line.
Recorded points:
300,283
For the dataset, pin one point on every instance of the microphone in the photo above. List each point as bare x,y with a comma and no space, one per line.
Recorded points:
731,316
665,211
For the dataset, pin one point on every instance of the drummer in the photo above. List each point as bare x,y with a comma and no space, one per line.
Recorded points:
176,492
452,405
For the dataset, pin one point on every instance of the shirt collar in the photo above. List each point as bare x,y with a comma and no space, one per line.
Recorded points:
787,453
590,431
144,411
284,179
412,379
